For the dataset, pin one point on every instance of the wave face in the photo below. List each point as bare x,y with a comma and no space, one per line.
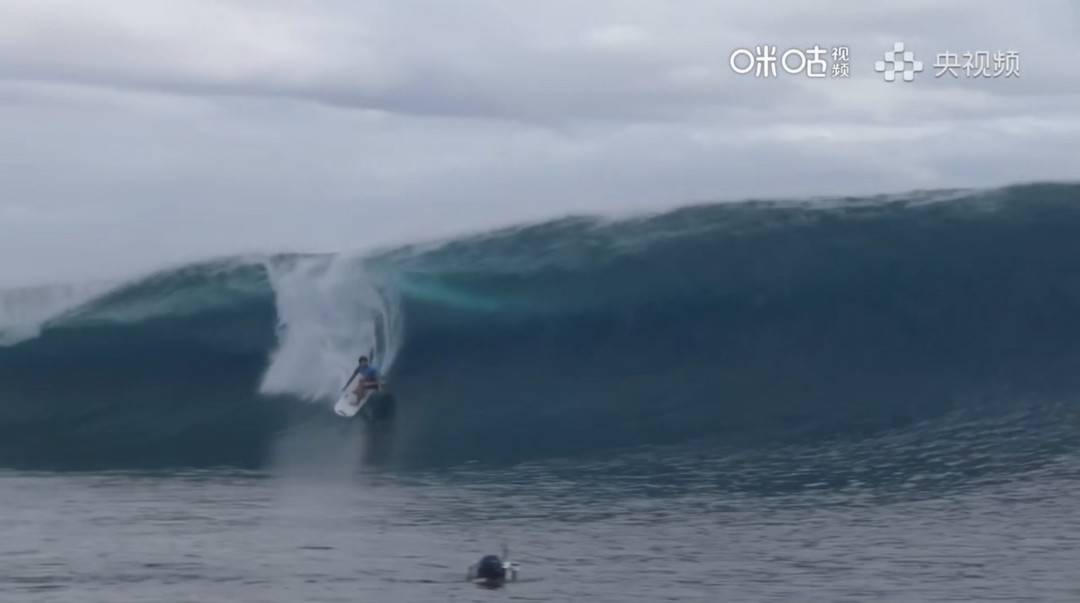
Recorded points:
742,324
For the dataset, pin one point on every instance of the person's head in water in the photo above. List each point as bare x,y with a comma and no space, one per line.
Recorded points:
490,568
363,361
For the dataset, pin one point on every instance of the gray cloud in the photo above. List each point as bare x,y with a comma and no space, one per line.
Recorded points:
136,133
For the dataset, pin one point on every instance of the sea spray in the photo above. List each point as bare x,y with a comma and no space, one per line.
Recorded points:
329,313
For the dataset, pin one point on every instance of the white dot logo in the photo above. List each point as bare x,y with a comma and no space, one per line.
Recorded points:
899,61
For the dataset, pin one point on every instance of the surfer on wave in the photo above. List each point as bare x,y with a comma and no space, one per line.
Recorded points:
369,378
369,388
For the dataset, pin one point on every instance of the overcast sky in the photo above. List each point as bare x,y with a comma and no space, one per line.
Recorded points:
135,133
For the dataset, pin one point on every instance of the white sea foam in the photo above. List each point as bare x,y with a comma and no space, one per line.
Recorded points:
329,313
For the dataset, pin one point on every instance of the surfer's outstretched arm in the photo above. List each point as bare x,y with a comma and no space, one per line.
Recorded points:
353,376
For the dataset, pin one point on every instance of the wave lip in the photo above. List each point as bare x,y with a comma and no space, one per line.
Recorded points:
25,310
742,323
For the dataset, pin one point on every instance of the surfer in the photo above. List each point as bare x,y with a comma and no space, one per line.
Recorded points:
369,378
381,408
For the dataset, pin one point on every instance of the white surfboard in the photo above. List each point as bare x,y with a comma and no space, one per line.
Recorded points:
347,405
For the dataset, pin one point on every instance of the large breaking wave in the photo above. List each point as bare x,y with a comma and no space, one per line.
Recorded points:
742,323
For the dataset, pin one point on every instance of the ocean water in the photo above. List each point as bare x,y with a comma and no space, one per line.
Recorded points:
871,399
223,535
